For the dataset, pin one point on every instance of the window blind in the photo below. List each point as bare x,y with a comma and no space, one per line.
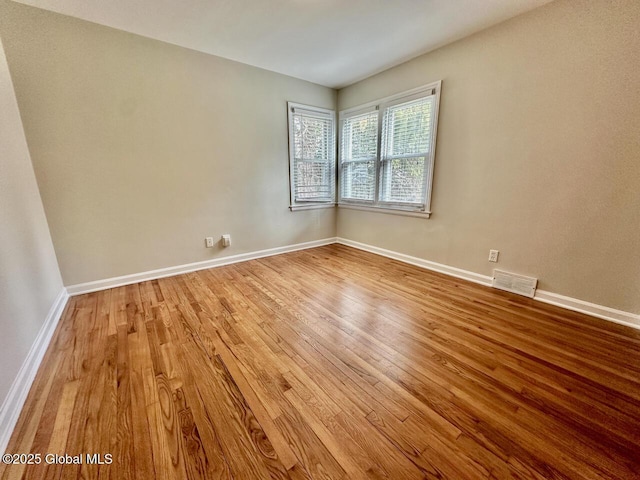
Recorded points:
359,152
313,157
405,151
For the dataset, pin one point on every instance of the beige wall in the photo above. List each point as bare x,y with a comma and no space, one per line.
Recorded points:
538,152
29,276
141,148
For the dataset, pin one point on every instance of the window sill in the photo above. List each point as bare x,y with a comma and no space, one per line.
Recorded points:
313,206
392,211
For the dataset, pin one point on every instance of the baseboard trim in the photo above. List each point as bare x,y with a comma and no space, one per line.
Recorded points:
600,311
107,283
13,403
419,262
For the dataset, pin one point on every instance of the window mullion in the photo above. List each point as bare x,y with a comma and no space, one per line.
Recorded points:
378,163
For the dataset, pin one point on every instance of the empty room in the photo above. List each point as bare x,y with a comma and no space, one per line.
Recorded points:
320,239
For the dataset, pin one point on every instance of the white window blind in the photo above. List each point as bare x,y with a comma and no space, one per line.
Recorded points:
312,154
406,140
359,153
387,150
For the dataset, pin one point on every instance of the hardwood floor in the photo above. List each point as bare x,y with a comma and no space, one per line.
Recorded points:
331,363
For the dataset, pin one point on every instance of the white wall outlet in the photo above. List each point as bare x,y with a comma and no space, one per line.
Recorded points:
208,242
493,255
226,240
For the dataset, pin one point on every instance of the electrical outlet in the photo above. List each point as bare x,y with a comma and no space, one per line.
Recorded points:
493,255
226,240
208,242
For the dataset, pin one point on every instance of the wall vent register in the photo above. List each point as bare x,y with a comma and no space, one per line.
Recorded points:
512,282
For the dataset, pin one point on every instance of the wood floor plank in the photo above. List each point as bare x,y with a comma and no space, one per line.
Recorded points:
215,463
309,449
125,453
243,441
331,363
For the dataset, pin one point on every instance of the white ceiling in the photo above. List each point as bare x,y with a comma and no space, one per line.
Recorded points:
330,42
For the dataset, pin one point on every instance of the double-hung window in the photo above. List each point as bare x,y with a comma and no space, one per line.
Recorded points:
387,151
312,162
358,155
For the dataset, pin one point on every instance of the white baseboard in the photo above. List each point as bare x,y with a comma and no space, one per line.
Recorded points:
595,310
420,262
14,401
89,287
606,313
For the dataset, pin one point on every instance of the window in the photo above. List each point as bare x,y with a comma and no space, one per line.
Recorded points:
358,155
311,156
387,151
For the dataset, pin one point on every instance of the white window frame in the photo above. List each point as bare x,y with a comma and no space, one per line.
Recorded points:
323,113
400,208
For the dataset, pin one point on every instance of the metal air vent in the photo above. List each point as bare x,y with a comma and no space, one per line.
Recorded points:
515,283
